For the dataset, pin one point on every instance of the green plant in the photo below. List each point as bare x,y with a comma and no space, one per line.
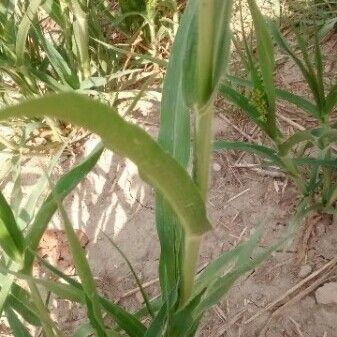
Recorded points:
56,46
198,56
315,14
308,156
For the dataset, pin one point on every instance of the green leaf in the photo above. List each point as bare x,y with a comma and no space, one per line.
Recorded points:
156,166
28,210
18,329
327,138
63,290
158,324
295,139
298,101
11,238
282,94
81,35
248,107
23,306
265,52
23,30
125,320
223,284
6,286
59,63
205,52
184,321
174,137
331,100
63,187
308,74
84,272
145,57
248,147
134,274
309,161
84,330
319,64
215,268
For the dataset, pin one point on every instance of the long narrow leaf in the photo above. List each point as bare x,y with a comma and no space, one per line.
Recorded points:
63,187
23,30
11,238
248,147
282,94
331,100
84,272
174,137
132,326
246,105
265,52
18,329
155,165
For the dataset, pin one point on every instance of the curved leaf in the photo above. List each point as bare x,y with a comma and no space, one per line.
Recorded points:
11,238
248,147
63,187
282,94
265,52
18,329
299,101
126,321
23,30
156,167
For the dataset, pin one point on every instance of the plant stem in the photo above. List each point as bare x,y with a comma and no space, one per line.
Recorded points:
202,154
203,147
203,114
190,259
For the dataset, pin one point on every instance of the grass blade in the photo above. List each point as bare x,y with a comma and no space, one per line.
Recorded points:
298,137
129,323
248,107
11,238
285,95
309,75
64,186
331,100
248,147
18,329
81,35
298,101
174,137
84,330
23,30
139,284
30,206
24,307
265,52
84,272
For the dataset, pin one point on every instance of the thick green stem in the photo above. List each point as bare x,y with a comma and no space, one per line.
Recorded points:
190,259
202,154
203,147
203,114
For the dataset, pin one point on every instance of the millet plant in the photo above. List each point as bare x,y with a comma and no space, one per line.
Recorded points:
198,60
